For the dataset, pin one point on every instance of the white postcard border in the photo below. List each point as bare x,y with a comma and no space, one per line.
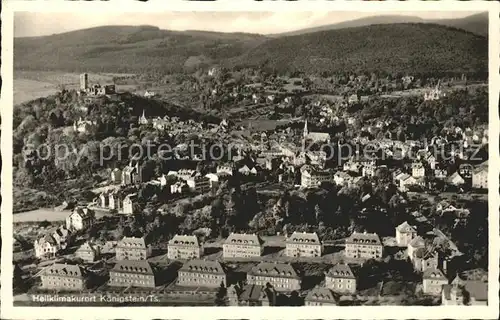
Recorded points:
369,312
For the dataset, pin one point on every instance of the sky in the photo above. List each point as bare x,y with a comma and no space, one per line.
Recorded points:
43,23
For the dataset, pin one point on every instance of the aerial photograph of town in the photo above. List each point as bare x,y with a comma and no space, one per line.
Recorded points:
255,159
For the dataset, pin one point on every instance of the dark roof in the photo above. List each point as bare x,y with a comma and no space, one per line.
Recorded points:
341,271
65,270
274,269
132,242
321,294
252,292
304,237
133,266
205,266
434,274
364,238
477,289
184,240
243,238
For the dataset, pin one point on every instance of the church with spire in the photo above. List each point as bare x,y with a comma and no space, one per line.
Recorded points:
143,119
314,136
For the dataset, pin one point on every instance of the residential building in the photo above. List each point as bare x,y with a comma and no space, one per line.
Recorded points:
88,252
405,181
116,176
202,273
282,277
184,247
242,245
404,234
465,292
425,259
465,170
319,296
364,245
456,179
302,244
46,247
480,177
369,170
417,170
227,169
115,200
132,273
198,183
63,237
415,244
63,277
441,174
341,279
433,281
83,126
311,178
81,218
130,174
341,178
131,248
179,187
252,295
130,204
103,200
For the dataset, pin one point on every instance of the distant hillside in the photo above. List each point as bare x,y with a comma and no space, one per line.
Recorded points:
128,49
477,23
414,48
386,19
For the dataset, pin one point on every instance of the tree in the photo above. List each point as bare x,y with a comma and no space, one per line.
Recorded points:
221,296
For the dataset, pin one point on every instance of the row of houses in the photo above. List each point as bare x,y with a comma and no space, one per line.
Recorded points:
195,273
79,219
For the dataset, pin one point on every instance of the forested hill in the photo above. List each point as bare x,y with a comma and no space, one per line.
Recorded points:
412,48
476,23
129,49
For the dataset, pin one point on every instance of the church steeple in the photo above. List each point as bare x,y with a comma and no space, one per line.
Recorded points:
306,132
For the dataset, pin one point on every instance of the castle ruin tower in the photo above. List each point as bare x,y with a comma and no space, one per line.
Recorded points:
84,81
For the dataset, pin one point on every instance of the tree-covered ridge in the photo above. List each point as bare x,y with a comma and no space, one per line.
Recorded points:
128,49
408,48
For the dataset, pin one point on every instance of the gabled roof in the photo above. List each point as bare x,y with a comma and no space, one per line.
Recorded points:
204,266
87,246
341,270
304,237
243,238
417,242
65,270
132,242
364,238
133,266
405,227
274,269
184,240
321,294
253,292
477,289
48,239
84,212
434,274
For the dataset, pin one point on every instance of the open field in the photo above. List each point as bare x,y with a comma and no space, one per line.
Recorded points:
48,214
29,85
